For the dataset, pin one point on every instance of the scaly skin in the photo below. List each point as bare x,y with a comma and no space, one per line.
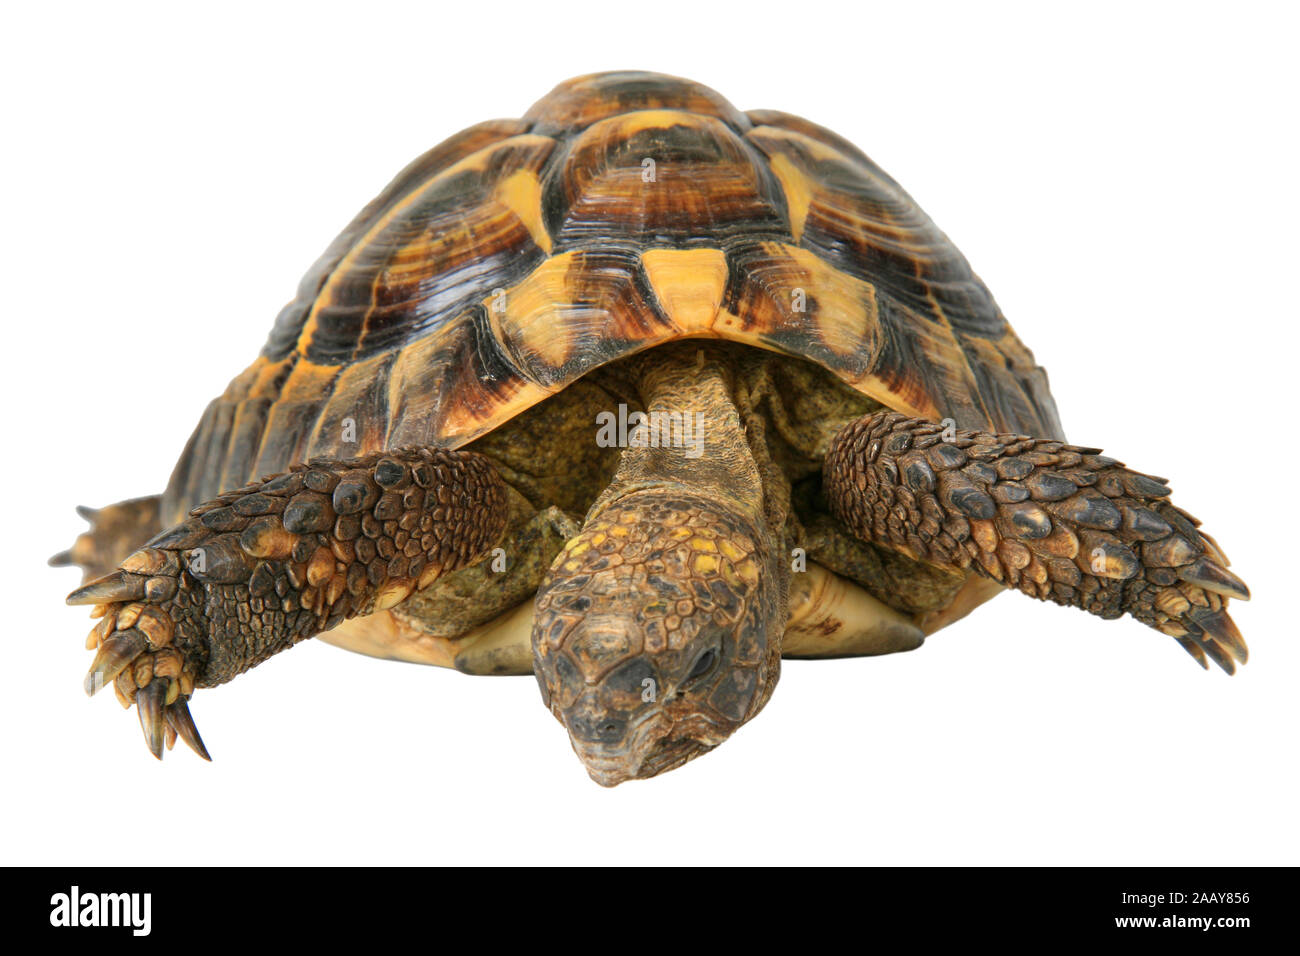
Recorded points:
1059,522
259,569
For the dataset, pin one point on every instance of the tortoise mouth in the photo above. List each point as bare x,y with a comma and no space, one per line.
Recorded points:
642,757
671,754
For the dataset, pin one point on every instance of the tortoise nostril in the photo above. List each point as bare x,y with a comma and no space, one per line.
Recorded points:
601,730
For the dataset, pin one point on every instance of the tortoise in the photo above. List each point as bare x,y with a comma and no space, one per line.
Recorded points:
638,394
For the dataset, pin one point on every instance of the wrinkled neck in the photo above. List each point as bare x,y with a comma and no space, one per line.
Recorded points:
691,436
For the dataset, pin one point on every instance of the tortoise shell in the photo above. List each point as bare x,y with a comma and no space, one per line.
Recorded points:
624,211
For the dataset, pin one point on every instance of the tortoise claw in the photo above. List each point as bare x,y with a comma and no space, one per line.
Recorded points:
1193,648
136,654
1208,574
1219,629
112,658
149,705
180,723
1220,656
118,586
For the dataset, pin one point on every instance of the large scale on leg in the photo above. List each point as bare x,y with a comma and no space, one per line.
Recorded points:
840,445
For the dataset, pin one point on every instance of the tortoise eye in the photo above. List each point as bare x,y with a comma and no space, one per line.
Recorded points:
702,666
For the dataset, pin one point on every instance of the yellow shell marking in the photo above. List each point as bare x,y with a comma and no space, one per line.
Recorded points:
818,150
626,125
688,284
521,193
535,318
798,192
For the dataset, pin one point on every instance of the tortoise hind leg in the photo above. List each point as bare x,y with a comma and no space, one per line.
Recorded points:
257,570
1058,522
115,531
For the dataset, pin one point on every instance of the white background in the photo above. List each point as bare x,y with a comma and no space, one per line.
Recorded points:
1123,177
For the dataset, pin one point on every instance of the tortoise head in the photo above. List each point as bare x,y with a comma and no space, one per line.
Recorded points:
657,632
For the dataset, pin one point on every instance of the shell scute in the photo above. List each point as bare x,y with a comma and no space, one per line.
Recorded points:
584,100
653,177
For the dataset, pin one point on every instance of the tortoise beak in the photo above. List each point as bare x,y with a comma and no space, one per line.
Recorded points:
646,750
606,772
614,752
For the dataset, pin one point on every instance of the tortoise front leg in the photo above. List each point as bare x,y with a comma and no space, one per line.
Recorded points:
1059,522
262,568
